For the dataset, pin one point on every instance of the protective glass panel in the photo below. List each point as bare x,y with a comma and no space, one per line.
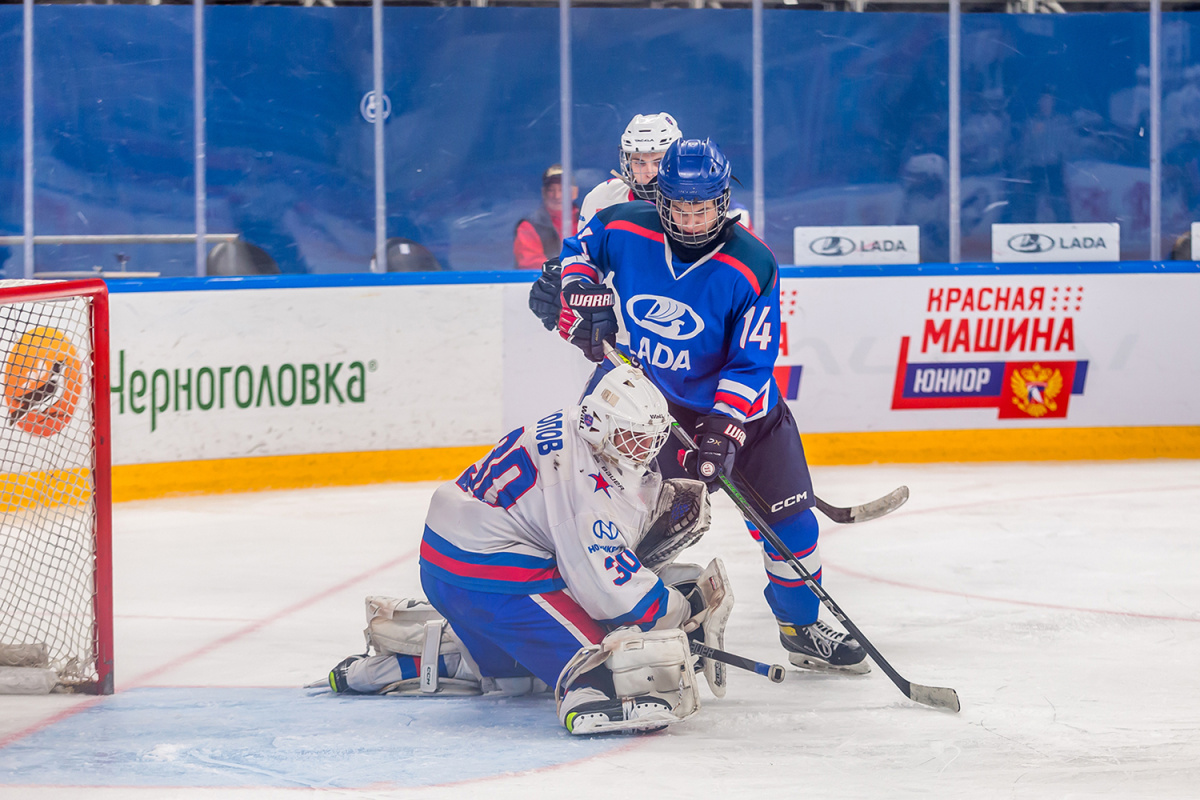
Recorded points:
290,144
113,137
474,124
1054,124
856,124
669,61
11,160
1180,133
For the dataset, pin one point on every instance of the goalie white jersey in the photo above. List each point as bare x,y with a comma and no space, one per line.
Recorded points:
541,513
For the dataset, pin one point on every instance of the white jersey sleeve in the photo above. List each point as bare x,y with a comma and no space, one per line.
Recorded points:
541,513
609,193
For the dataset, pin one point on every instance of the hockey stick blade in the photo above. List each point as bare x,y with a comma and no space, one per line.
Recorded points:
867,511
935,696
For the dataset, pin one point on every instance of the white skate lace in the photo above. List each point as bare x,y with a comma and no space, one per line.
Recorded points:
824,638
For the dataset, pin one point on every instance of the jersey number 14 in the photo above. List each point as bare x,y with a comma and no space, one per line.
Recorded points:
761,334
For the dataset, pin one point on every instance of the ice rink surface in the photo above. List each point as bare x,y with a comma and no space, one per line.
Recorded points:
1061,601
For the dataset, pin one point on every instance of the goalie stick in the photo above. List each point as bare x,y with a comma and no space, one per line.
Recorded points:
935,696
773,671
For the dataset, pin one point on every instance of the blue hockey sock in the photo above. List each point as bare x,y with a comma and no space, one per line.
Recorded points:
790,600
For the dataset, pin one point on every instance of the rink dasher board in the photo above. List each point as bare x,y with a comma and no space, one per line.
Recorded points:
327,365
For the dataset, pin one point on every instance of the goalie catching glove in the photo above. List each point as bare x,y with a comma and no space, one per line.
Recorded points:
681,516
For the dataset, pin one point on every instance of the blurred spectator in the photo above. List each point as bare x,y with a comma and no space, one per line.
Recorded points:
1047,142
539,236
986,132
926,180
1181,139
1094,137
1182,249
1130,108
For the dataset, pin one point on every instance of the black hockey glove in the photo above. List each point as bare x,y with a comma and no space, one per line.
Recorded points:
545,292
587,317
718,438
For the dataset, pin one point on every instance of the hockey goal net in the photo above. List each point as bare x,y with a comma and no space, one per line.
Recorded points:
55,499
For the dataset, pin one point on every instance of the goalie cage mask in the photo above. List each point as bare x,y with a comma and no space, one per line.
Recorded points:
625,418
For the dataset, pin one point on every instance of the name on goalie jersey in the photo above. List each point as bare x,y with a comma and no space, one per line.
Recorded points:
549,433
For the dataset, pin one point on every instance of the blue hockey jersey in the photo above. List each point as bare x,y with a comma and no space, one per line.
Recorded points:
708,331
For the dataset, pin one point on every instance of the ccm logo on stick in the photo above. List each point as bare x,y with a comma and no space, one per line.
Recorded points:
788,503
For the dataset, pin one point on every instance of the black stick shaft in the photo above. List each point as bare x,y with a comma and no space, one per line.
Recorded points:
773,671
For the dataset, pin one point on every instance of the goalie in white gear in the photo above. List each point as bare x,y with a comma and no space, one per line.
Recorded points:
541,558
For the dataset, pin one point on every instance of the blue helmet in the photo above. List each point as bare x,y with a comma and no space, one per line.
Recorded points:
693,171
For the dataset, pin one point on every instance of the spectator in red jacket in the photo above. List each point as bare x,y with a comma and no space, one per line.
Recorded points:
539,235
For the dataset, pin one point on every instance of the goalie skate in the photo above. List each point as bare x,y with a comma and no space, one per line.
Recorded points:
820,648
644,714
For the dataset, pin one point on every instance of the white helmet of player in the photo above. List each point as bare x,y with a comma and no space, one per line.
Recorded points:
625,418
646,133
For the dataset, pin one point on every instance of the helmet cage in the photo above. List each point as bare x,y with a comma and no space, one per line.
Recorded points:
646,133
693,238
647,191
638,447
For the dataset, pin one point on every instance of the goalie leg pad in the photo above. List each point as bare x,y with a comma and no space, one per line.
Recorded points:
653,681
716,597
710,595
413,627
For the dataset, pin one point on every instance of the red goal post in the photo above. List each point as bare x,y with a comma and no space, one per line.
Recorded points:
55,482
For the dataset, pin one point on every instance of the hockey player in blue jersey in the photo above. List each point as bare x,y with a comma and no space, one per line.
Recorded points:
695,298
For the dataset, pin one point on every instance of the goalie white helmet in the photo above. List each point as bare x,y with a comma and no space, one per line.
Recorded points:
646,133
625,418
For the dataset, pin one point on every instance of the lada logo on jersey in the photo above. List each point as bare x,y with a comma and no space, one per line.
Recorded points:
832,246
605,530
1031,243
43,382
665,317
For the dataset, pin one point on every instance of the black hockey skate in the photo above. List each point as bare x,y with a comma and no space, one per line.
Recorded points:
643,714
337,675
821,648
